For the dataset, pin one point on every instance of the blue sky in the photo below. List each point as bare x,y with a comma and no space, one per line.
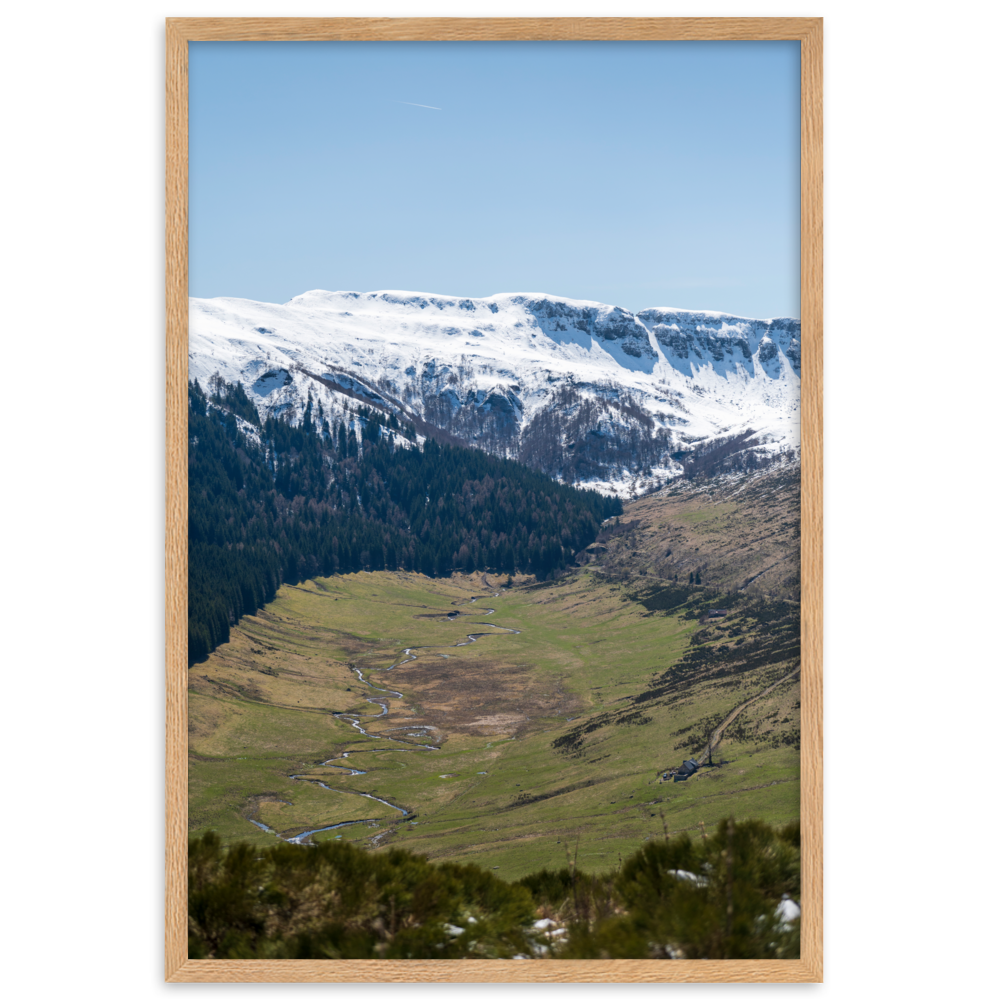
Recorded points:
633,173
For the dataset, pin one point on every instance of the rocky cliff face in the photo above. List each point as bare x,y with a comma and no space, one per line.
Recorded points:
691,340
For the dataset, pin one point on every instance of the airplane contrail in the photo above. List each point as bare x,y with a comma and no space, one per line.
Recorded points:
412,105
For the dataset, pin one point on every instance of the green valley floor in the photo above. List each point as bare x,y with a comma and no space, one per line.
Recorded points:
542,739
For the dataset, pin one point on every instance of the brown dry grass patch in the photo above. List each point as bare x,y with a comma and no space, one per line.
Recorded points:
486,696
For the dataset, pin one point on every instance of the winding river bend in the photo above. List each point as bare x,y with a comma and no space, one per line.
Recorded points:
381,697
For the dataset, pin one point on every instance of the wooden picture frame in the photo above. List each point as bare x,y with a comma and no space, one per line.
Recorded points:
809,33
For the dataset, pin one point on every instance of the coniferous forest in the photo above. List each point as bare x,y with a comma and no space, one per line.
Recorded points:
350,490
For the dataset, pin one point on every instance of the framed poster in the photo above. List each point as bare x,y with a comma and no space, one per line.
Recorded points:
180,31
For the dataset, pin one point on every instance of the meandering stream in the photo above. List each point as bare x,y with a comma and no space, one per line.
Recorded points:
409,654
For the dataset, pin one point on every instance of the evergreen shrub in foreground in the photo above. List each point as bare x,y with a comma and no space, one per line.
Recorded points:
717,896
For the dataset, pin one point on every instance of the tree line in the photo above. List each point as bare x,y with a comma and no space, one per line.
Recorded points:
271,502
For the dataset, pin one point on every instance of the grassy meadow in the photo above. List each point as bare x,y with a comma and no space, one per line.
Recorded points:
547,743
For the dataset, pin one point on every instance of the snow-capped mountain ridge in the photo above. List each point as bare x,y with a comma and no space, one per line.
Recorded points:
590,392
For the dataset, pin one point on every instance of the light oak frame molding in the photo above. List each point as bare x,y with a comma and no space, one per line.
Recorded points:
178,31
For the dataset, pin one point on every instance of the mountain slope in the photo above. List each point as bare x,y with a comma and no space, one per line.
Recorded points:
269,502
734,534
586,392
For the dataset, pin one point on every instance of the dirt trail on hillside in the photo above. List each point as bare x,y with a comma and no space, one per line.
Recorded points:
717,733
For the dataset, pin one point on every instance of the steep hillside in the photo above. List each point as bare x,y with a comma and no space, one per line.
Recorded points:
729,533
